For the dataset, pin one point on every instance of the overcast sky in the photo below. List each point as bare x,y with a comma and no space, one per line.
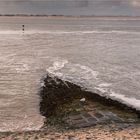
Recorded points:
71,7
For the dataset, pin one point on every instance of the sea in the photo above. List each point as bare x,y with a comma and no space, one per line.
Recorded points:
99,53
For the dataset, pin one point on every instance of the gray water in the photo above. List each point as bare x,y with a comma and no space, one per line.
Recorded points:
99,54
71,7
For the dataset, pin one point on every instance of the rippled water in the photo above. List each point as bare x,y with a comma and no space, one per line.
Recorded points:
71,7
104,59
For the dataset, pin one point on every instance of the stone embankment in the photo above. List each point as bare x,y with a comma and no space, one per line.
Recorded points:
68,105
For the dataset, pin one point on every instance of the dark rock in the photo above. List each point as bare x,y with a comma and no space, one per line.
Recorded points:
98,115
55,93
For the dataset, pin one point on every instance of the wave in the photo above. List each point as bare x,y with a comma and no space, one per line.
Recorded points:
89,80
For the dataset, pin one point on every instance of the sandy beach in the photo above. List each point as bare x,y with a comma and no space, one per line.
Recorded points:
107,132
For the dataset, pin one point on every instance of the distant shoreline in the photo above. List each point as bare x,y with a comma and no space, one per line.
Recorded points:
81,16
137,18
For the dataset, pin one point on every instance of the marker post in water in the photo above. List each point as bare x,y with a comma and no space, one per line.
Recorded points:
23,28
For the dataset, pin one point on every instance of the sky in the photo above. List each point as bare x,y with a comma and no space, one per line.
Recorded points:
71,7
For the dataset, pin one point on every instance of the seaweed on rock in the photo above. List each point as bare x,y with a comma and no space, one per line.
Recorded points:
57,92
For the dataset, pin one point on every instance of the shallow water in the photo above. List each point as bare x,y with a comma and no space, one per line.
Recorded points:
104,59
71,7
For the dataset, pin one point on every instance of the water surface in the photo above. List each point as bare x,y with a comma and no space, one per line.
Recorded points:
101,55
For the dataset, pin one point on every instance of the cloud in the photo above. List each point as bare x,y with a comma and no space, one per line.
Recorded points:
135,3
